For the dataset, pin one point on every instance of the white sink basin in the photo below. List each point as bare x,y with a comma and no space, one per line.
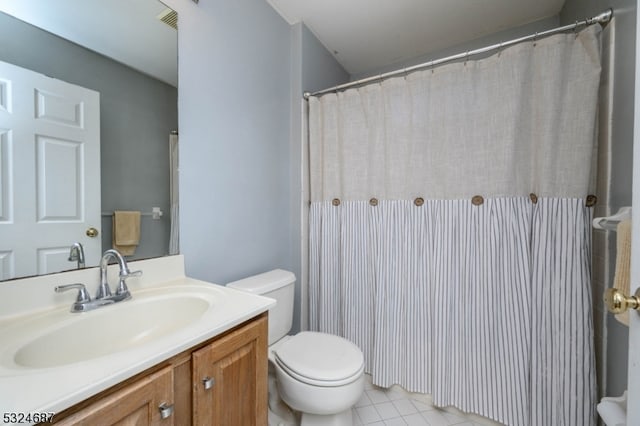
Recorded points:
63,338
104,331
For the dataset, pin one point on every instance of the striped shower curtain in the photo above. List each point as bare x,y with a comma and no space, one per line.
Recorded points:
450,229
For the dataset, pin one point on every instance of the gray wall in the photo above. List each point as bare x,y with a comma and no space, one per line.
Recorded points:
313,68
611,333
137,113
319,68
235,173
242,70
242,74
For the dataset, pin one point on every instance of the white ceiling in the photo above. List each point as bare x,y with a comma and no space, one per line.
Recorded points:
364,35
125,30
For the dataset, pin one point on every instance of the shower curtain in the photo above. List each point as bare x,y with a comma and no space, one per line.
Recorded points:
450,229
174,236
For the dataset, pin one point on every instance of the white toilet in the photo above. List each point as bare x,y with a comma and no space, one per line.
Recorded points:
317,374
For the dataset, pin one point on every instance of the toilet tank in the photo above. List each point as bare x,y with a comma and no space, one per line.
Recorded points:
279,285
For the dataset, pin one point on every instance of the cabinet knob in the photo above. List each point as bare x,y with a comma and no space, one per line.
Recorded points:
166,410
208,382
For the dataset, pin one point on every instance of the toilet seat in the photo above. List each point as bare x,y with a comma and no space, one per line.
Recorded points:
320,359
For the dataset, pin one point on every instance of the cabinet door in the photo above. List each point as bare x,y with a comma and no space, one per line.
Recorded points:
230,379
136,404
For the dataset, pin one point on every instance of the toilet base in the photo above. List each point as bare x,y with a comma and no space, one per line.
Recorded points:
279,413
344,418
275,420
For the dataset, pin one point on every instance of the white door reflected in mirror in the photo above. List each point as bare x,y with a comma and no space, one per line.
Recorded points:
135,71
50,147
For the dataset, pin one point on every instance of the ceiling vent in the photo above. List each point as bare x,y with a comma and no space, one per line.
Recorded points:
169,17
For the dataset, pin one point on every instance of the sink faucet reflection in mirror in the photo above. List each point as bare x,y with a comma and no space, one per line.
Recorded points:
76,254
104,296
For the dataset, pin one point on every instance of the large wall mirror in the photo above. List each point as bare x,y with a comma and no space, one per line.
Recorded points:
124,52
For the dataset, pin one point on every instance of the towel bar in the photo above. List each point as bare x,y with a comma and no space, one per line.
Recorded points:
155,213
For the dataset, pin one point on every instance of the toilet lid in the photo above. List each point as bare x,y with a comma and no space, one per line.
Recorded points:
320,357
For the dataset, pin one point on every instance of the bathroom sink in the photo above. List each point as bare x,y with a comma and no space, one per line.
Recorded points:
52,359
111,329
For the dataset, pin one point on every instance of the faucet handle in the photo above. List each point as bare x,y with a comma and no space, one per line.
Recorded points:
124,275
129,274
83,295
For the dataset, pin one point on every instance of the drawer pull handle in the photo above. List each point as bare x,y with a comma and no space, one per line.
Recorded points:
208,383
166,410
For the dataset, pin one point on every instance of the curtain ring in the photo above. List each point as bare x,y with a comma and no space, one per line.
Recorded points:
431,66
535,38
466,58
335,202
373,202
591,200
418,201
499,49
534,198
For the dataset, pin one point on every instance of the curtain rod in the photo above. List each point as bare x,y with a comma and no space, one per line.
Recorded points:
602,18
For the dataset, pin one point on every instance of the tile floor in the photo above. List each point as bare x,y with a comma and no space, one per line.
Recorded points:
395,407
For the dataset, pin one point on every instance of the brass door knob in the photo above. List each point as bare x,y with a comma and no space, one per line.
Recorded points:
617,302
92,232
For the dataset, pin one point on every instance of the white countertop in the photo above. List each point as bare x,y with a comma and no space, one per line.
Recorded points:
36,390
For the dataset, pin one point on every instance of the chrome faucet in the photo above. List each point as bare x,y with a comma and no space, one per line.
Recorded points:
77,254
83,302
122,292
103,297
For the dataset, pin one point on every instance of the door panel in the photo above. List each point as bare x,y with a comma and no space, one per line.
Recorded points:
49,172
59,170
633,403
53,259
59,109
5,175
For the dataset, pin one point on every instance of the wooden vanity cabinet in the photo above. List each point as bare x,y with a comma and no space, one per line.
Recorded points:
135,404
228,379
221,382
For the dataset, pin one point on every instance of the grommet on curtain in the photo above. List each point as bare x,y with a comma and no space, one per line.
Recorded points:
477,200
418,201
335,201
591,200
534,198
373,202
